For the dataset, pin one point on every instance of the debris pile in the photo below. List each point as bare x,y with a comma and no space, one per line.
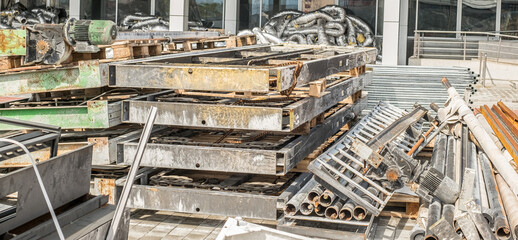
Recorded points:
18,15
141,22
330,25
467,188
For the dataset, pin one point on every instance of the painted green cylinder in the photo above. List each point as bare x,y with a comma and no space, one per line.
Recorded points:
96,32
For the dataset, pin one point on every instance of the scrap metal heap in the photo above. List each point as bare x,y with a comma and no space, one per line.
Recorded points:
466,192
240,141
62,181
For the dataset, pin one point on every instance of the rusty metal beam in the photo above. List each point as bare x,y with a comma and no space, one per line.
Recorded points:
499,131
240,159
228,116
181,72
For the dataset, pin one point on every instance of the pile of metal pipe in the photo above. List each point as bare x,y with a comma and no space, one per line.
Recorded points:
315,200
403,86
140,22
454,154
329,25
18,15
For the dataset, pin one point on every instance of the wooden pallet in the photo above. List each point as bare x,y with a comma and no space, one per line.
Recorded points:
190,44
302,166
402,206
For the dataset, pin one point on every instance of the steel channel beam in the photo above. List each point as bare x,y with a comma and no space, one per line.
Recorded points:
66,178
88,74
95,114
178,199
272,162
243,117
227,78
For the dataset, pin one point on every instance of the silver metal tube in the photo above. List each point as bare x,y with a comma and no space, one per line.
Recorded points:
293,205
126,190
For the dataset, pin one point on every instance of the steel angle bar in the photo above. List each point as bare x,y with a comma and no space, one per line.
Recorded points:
201,201
88,74
66,178
240,158
226,115
181,72
95,114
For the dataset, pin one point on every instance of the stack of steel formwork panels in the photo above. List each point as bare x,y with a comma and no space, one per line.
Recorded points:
239,121
76,97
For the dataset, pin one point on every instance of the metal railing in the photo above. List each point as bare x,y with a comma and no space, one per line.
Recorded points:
465,45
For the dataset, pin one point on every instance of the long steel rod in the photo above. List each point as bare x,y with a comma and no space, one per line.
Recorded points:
485,141
126,190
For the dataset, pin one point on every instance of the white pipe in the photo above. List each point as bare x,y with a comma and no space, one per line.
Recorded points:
43,190
495,155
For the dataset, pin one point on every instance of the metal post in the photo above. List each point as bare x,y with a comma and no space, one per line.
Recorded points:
499,48
126,190
464,55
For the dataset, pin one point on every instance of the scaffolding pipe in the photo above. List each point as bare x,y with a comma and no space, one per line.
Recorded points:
495,155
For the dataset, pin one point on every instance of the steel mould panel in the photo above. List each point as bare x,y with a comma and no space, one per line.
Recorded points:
88,74
95,114
242,160
220,116
179,199
181,73
66,178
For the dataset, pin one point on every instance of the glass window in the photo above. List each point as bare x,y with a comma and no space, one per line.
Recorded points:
249,11
381,12
207,12
478,15
248,14
437,15
509,18
132,7
60,4
98,9
312,5
162,9
271,7
366,10
412,4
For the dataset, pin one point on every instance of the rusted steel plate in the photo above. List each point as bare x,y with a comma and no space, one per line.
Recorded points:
240,159
13,42
179,199
204,78
226,116
88,74
203,115
40,155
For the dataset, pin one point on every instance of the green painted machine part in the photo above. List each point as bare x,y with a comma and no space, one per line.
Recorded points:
95,32
13,42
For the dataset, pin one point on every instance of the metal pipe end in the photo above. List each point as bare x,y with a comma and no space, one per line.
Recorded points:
359,213
430,237
446,83
325,200
306,208
290,209
331,213
320,210
345,214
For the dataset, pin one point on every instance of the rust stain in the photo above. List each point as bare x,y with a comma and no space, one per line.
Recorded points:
107,187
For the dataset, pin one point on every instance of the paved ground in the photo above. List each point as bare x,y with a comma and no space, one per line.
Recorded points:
491,95
147,224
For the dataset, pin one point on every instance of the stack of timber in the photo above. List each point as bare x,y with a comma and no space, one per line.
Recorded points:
234,123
